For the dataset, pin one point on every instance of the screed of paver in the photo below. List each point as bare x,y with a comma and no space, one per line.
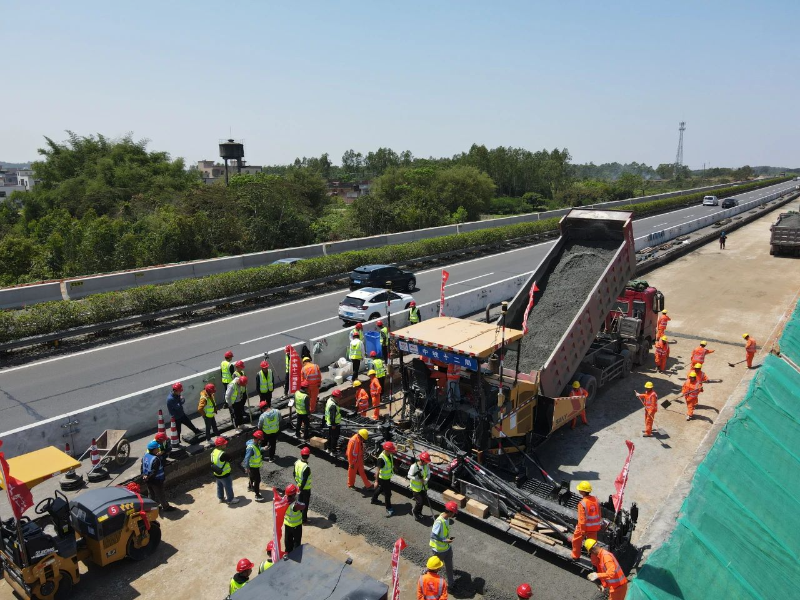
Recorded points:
713,295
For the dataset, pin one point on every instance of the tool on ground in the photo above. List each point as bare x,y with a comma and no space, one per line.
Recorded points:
730,364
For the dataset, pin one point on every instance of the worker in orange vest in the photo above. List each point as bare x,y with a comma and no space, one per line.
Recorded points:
579,392
375,391
608,572
750,348
431,585
691,391
362,398
702,377
312,376
661,324
662,353
590,519
699,353
355,460
650,401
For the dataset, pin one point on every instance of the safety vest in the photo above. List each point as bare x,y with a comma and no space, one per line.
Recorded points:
271,421
235,587
453,372
662,321
216,460
579,393
418,484
299,467
591,512
691,390
661,349
436,544
750,346
356,350
699,355
301,402
360,333
413,315
651,402
255,458
225,367
210,408
605,557
375,389
431,585
265,383
287,362
380,368
265,565
362,399
237,390
147,467
338,415
311,374
293,518
388,466
384,336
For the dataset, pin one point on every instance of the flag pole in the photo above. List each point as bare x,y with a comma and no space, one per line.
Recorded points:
20,538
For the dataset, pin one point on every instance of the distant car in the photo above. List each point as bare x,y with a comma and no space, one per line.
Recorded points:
377,275
369,303
710,201
730,202
287,261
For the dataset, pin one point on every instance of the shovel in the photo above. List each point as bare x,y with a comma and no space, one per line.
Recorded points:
664,403
730,364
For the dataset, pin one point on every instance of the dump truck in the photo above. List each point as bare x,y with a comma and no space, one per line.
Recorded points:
785,235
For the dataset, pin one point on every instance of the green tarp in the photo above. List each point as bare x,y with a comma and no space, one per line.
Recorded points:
790,340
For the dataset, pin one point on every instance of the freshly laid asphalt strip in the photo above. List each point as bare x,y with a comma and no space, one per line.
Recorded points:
563,292
484,562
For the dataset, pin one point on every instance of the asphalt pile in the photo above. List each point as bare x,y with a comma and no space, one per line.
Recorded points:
562,293
790,220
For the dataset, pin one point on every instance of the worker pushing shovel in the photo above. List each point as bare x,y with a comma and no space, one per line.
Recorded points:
650,402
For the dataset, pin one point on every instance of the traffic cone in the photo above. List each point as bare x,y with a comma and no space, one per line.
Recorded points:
94,455
161,428
173,433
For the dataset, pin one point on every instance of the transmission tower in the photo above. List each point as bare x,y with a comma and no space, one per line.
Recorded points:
679,154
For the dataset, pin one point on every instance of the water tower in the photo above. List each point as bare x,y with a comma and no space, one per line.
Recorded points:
231,150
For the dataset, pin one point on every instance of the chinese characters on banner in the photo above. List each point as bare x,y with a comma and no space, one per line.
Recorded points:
534,289
398,546
622,479
445,277
442,356
295,367
279,507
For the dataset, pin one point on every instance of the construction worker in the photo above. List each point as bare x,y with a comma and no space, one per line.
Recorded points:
383,481
662,353
265,383
691,392
302,478
454,383
252,462
384,331
175,402
238,369
431,585
207,406
270,423
650,401
268,562
311,375
375,392
243,570
301,407
333,419
379,367
524,591
750,348
355,353
419,475
235,397
413,313
362,398
699,353
355,459
702,377
287,380
226,371
661,324
164,446
590,519
722,239
441,539
609,573
153,475
579,392
359,330
293,520
221,469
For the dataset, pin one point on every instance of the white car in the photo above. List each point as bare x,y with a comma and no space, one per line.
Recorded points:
710,201
369,303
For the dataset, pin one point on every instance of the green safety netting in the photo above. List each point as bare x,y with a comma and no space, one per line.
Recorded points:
790,340
738,533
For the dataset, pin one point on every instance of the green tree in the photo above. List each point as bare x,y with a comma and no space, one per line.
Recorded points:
627,185
665,170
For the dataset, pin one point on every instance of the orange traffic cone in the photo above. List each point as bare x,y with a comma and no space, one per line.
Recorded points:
173,433
94,455
161,428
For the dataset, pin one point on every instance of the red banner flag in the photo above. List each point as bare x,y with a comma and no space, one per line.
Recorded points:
622,479
19,496
445,277
534,289
279,506
295,366
398,546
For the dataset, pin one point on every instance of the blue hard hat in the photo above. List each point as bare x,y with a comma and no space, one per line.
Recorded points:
152,445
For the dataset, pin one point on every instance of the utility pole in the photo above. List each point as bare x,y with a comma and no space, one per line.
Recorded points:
679,154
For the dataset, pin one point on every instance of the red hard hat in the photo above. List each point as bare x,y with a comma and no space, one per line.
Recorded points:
425,457
177,387
221,441
413,303
258,434
264,364
270,546
239,364
389,447
243,380
379,323
373,353
161,437
262,404
359,326
524,591
228,355
336,393
306,451
291,490
244,565
210,388
355,333
451,507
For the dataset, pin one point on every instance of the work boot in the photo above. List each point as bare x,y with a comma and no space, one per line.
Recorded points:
374,501
259,497
234,501
418,517
688,417
389,512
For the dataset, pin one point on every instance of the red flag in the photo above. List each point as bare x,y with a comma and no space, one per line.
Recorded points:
534,289
398,546
279,506
622,479
445,277
19,496
295,366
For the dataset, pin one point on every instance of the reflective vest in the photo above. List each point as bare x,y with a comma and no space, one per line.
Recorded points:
362,399
750,346
301,402
265,565
235,587
662,349
418,484
593,519
210,408
384,336
607,562
237,373
413,315
356,350
360,333
311,374
379,366
650,402
579,393
147,467
271,421
431,586
691,390
237,391
287,362
225,367
216,460
699,355
337,418
255,458
453,372
436,544
299,467
293,518
265,383
662,321
388,466
375,389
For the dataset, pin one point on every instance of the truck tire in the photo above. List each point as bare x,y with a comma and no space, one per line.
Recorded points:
627,364
589,383
644,352
772,250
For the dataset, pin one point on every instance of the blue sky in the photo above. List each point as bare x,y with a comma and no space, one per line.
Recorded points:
607,80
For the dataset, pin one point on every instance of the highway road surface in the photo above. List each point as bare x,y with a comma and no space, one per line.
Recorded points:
55,386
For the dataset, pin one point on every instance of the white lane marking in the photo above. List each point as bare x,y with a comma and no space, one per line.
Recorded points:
470,279
659,225
263,337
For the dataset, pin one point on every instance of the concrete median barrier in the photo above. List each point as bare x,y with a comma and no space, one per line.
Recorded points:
24,295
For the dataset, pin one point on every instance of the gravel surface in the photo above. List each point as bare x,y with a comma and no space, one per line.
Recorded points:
562,294
790,220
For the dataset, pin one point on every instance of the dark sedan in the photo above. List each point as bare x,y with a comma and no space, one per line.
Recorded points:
377,276
730,203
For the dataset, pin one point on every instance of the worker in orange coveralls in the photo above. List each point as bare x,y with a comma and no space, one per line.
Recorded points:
362,398
355,460
750,349
313,376
702,376
650,401
699,353
608,572
691,392
662,353
590,519
661,324
579,392
375,391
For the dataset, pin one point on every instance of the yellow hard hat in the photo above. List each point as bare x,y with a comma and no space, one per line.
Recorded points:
745,335
663,312
372,372
649,385
435,563
356,383
363,433
692,374
704,343
589,544
576,384
664,338
306,358
698,366
584,486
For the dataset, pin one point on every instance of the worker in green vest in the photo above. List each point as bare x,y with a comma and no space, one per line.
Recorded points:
264,382
226,371
253,461
384,331
383,481
243,570
379,367
270,423
441,539
302,478
301,408
413,313
419,475
293,520
355,353
221,470
333,419
269,562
